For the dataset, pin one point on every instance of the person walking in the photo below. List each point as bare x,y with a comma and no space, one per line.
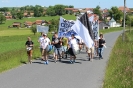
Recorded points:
64,46
29,47
73,48
57,43
40,40
90,52
101,46
45,46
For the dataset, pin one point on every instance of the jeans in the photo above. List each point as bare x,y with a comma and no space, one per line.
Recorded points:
58,51
100,50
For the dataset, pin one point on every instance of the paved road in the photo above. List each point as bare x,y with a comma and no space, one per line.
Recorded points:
82,74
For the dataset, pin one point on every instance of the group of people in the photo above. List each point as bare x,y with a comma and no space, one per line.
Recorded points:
64,46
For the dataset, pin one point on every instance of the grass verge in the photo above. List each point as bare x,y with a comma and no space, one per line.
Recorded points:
119,72
110,30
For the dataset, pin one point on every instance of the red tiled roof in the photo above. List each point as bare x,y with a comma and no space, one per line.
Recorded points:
38,22
8,17
69,8
122,8
29,23
75,10
89,9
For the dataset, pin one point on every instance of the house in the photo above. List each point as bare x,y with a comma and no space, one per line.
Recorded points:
89,10
103,25
8,17
28,24
28,14
38,22
16,24
82,11
7,14
121,8
69,10
113,23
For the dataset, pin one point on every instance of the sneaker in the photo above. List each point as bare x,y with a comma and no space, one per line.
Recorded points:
55,61
71,62
91,60
47,62
66,56
59,59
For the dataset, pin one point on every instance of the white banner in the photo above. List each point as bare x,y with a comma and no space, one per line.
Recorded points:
43,29
95,26
65,27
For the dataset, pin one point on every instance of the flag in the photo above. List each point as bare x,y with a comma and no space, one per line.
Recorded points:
83,28
65,27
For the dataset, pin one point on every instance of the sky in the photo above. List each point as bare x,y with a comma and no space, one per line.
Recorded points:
76,3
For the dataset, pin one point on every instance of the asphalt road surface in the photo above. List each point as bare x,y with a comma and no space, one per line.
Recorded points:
82,74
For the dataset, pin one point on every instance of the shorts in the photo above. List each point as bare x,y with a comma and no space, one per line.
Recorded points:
71,52
29,53
90,50
58,51
44,52
64,48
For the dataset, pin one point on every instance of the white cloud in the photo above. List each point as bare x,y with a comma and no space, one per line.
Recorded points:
5,1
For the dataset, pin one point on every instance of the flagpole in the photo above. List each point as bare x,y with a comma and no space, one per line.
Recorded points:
123,37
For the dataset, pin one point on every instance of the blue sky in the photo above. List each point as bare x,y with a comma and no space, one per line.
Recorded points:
76,3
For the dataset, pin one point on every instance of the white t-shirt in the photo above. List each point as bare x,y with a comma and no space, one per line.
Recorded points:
73,42
45,43
40,41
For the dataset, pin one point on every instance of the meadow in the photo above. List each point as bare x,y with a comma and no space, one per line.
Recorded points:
119,72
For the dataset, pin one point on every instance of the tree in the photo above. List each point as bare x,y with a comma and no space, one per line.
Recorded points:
2,18
59,9
50,11
33,29
19,15
116,14
98,12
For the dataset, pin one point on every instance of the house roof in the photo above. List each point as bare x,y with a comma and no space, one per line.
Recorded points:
112,20
122,8
75,10
32,14
69,8
89,9
8,17
16,23
38,22
28,23
83,11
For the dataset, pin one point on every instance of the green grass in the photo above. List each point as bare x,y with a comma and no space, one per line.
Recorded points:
13,51
5,25
119,72
110,30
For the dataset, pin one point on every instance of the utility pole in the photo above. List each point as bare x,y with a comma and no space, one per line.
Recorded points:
123,37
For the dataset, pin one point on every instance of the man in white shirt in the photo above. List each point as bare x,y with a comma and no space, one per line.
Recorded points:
45,47
40,40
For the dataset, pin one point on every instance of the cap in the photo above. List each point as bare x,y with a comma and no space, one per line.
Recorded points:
44,34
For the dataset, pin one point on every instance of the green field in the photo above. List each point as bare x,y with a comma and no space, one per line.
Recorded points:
119,72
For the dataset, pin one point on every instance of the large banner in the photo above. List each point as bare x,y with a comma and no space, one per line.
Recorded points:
95,26
65,28
43,29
